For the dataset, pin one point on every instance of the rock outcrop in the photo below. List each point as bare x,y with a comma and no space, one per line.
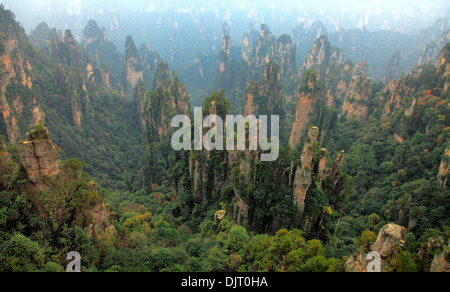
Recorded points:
133,63
303,172
46,174
38,155
225,55
400,96
343,86
440,261
161,105
443,66
100,219
312,171
15,71
432,51
264,97
158,107
393,95
308,98
133,73
444,168
265,47
95,44
389,237
356,101
248,44
322,57
393,68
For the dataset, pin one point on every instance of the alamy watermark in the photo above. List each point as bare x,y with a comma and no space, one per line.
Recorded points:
257,133
374,264
75,264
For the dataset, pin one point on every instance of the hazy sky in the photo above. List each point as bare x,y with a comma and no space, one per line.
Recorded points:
166,24
280,15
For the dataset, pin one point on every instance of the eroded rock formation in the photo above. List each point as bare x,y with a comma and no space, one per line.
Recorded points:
38,155
390,237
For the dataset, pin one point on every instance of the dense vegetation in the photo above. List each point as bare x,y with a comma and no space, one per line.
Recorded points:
163,210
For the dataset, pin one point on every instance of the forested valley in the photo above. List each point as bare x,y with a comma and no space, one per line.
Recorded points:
86,162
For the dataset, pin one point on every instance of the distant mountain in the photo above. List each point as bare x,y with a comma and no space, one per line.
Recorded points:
178,30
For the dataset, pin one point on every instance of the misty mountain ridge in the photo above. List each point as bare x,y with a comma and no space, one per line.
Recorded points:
177,30
364,156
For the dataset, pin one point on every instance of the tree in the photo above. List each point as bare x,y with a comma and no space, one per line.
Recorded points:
21,254
218,259
366,239
222,104
236,239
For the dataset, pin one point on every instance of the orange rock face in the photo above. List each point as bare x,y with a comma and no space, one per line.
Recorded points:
39,157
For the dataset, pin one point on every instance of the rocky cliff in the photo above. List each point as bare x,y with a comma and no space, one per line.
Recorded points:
443,67
441,261
265,47
391,236
393,67
313,170
39,156
343,86
264,97
408,96
102,53
308,98
19,108
248,44
356,101
323,56
133,61
303,173
225,55
432,51
444,168
161,105
61,192
158,107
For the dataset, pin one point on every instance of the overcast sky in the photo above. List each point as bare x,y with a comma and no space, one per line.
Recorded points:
337,13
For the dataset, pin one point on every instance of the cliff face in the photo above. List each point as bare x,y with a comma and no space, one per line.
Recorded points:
404,94
133,74
264,97
393,68
440,262
307,99
56,187
303,174
260,49
356,101
313,163
248,44
344,87
225,55
15,73
39,156
443,67
158,107
101,52
431,52
393,95
391,236
161,105
323,56
444,168
71,47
